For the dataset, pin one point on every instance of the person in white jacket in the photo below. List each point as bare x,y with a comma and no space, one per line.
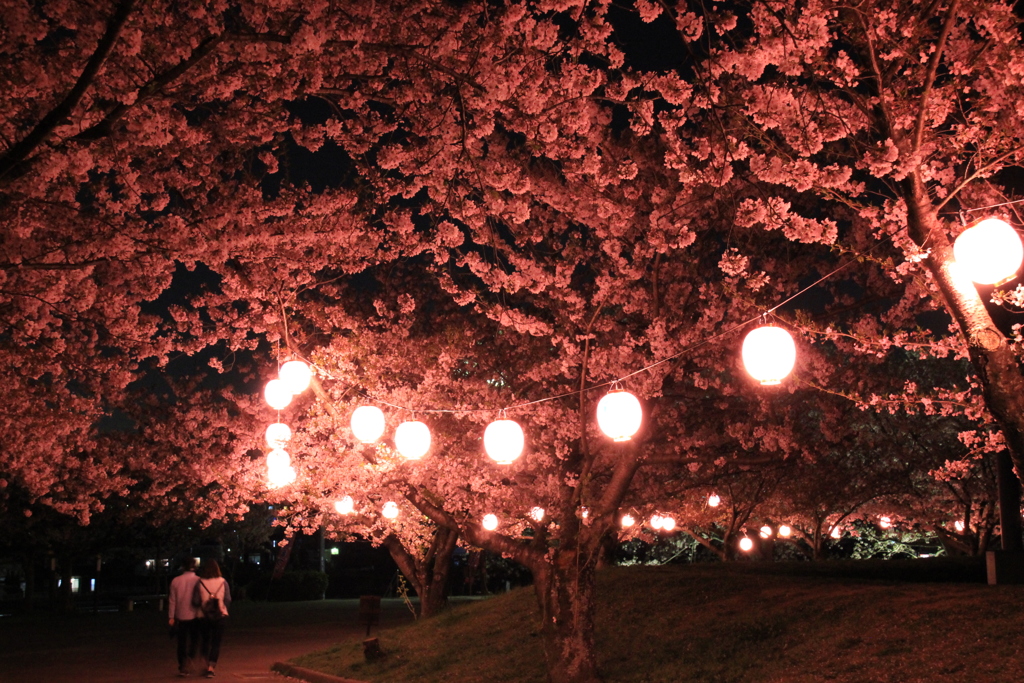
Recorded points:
182,615
212,595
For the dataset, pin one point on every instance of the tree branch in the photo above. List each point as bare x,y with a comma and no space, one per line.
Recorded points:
933,66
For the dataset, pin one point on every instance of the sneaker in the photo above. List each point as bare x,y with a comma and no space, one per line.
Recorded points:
209,673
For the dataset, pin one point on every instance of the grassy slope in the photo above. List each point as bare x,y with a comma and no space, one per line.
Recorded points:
716,623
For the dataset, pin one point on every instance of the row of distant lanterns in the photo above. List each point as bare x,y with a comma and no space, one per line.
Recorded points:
989,252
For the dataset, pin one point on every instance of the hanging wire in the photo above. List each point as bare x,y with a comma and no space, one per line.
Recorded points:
763,316
993,206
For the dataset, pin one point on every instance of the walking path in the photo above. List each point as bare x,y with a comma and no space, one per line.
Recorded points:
134,647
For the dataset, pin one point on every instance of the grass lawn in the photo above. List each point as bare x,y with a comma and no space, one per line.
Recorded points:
717,623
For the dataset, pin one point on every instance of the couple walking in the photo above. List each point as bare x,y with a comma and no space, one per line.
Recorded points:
198,607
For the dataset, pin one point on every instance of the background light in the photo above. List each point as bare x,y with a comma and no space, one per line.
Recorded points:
746,545
537,514
884,522
296,375
277,394
714,500
345,505
958,525
390,509
619,415
367,423
490,522
278,458
278,435
627,521
769,354
766,531
656,522
785,531
412,439
989,252
278,477
837,532
668,523
504,441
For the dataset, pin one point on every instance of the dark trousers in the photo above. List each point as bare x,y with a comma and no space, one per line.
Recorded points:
213,632
188,640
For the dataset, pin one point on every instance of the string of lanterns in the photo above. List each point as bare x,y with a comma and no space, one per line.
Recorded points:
989,251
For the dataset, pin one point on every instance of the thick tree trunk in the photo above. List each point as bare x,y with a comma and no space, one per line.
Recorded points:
565,591
1009,503
429,574
994,362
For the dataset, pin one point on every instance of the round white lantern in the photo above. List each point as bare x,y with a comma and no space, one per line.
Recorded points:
714,500
989,252
958,525
656,522
769,354
504,441
278,458
619,415
766,531
412,439
277,394
367,423
836,532
668,523
390,510
627,521
785,531
280,476
537,514
746,545
278,435
296,375
490,522
345,505
884,522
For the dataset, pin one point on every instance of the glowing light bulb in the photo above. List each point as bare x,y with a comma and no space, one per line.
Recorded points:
769,354
619,415
390,510
490,522
627,521
785,531
296,375
277,394
412,439
766,531
345,506
989,252
504,441
278,435
367,423
714,500
746,545
668,523
537,514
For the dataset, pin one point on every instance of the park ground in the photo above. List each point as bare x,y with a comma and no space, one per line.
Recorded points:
859,622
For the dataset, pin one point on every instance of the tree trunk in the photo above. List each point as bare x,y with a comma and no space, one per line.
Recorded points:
429,574
994,362
1009,503
565,591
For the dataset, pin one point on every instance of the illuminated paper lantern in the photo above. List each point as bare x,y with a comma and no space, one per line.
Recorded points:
766,531
277,394
746,545
884,522
989,252
490,522
412,439
278,435
278,477
367,423
836,532
627,521
785,531
619,415
344,506
537,514
504,441
278,458
958,525
656,522
769,354
714,500
296,375
390,510
668,523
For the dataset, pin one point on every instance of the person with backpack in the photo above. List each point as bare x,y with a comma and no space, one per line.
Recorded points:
182,615
212,597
